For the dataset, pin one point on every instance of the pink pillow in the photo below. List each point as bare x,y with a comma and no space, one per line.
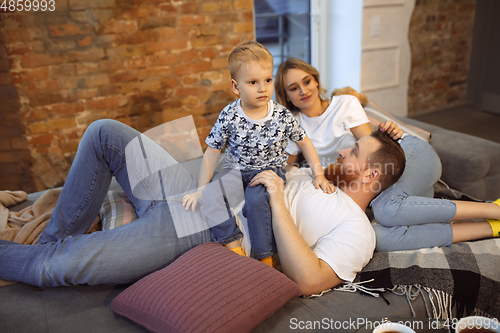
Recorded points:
207,289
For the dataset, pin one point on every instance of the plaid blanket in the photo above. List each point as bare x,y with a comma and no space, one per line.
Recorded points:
464,277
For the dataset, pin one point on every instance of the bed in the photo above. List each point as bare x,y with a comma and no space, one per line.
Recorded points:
438,283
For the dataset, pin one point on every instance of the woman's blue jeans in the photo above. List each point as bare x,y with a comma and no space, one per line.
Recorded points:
228,189
407,214
66,256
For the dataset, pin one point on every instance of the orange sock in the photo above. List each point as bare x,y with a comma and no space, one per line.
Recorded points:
269,261
238,250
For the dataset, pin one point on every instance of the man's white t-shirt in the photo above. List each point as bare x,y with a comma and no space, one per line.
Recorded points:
330,132
333,225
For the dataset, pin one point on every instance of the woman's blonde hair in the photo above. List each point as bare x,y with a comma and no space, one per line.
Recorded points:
248,52
280,80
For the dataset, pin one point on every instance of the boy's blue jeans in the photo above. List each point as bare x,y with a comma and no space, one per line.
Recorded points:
66,256
227,190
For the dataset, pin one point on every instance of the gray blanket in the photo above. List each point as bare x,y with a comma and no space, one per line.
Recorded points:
464,277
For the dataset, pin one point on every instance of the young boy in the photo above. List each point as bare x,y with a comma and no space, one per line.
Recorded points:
254,130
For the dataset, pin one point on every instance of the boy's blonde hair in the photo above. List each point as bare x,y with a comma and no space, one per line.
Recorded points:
248,52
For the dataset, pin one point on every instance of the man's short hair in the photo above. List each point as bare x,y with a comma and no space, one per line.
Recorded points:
389,158
248,52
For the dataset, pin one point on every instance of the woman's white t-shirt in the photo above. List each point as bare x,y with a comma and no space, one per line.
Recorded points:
331,131
333,225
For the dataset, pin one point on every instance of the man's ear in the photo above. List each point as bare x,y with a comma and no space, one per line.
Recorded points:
234,85
371,176
375,175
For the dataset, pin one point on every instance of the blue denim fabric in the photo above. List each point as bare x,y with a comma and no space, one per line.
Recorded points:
407,214
66,256
222,194
226,190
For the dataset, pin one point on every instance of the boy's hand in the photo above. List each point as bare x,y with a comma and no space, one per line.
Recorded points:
392,130
325,184
191,200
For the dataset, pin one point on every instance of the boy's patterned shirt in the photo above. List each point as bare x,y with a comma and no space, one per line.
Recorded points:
254,145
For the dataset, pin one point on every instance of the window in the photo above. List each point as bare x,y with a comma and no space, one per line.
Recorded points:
284,28
325,33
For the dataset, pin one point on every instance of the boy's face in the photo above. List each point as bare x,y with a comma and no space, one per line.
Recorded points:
254,84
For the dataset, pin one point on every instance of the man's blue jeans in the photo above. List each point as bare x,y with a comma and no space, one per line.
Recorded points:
66,256
232,185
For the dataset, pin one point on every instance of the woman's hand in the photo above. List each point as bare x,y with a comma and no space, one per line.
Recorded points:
273,183
320,181
192,200
392,129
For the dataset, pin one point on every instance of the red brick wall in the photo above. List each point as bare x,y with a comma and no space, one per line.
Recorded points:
140,62
440,38
15,158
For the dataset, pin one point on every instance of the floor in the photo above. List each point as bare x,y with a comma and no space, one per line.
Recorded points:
467,120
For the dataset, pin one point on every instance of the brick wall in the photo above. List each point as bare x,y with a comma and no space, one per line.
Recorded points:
140,62
440,38
15,158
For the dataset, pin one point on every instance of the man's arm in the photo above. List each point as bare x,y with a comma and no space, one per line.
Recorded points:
298,261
